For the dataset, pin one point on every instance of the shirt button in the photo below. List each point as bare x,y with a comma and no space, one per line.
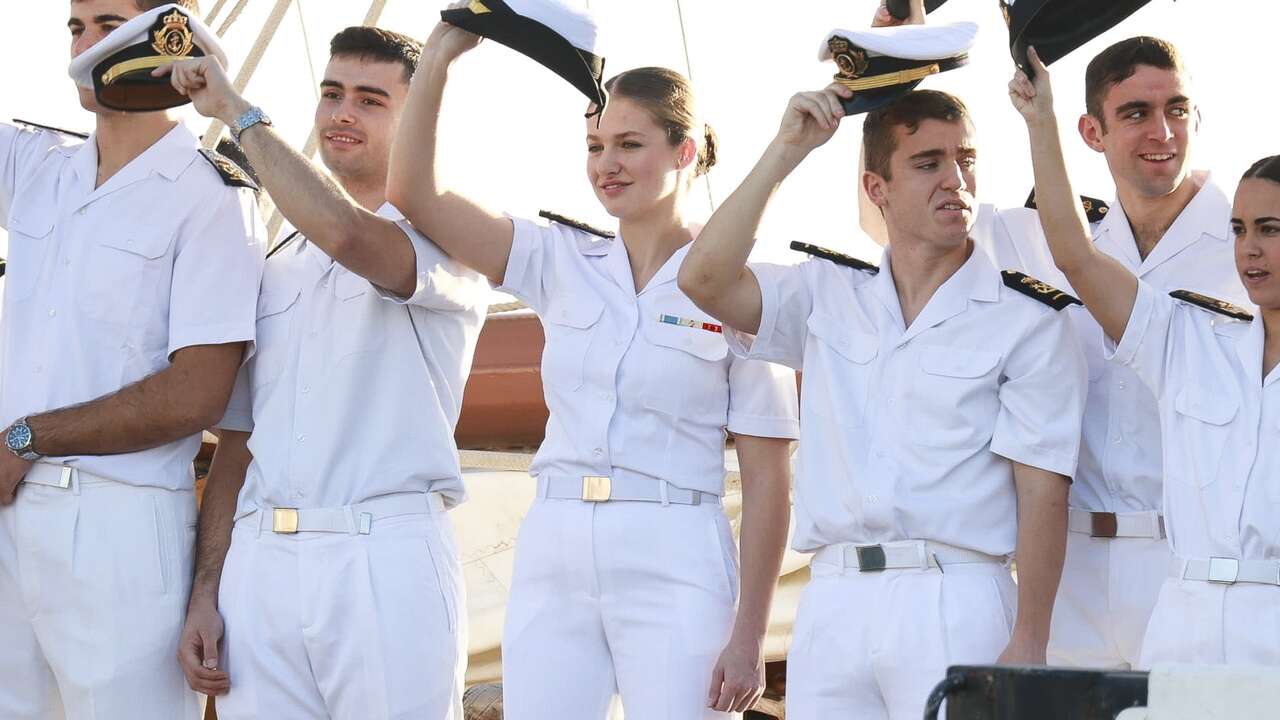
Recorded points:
598,452
66,261
39,369
302,438
873,499
879,454
52,312
81,211
306,389
298,494
1122,386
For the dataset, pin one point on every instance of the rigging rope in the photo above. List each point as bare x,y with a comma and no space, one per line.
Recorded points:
217,7
688,64
250,65
306,48
232,16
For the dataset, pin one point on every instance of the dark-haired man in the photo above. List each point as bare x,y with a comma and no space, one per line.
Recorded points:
131,282
941,414
1170,226
342,590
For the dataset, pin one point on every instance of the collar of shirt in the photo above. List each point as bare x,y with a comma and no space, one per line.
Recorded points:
977,279
1206,214
168,157
618,264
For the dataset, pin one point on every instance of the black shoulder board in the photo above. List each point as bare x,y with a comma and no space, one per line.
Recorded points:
50,128
1094,209
283,243
2,264
1033,288
838,258
1221,307
576,224
231,173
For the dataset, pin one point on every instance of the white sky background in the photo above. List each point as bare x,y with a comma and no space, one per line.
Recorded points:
512,133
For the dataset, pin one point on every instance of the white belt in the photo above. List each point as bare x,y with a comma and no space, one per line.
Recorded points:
622,486
62,476
900,555
1227,571
355,519
1140,524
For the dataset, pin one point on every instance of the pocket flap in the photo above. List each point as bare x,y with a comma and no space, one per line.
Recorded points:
700,343
575,312
853,345
1211,408
349,285
274,302
149,246
951,362
35,226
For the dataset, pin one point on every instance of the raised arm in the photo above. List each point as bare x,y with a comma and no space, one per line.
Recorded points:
466,231
1105,286
714,274
373,247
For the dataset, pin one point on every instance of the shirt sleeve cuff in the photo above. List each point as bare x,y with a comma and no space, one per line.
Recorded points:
1135,331
761,426
1043,458
219,334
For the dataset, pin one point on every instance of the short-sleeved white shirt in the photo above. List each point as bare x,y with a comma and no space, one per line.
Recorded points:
1120,467
639,382
104,285
353,392
908,433
1221,423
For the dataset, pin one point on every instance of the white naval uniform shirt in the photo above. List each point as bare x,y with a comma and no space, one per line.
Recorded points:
628,392
907,433
105,284
1120,452
353,392
1221,421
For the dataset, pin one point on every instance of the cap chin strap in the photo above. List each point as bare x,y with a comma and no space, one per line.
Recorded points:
902,77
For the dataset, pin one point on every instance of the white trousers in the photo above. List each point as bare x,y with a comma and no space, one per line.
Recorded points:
1108,589
634,599
1200,622
349,627
873,645
93,591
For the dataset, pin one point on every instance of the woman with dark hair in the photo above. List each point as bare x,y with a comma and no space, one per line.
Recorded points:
1213,368
626,579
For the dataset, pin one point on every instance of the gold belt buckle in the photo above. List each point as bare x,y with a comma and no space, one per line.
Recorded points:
284,521
596,488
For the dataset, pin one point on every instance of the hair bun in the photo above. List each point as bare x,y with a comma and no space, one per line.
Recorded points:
707,155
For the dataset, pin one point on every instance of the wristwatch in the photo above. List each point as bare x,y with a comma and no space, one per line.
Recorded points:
249,118
21,441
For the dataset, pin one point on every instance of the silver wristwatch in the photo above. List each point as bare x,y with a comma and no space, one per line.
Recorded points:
21,441
249,118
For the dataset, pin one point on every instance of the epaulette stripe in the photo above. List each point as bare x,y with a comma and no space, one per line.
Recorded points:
281,245
1222,307
838,258
230,173
2,264
555,218
1038,290
1094,209
50,128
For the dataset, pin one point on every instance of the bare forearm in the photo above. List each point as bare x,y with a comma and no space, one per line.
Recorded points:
470,234
217,513
1042,544
718,259
1107,289
176,402
765,516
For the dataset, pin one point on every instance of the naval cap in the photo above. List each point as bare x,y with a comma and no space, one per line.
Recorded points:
882,64
118,67
1056,27
559,37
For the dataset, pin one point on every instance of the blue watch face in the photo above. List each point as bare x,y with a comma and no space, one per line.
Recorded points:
19,437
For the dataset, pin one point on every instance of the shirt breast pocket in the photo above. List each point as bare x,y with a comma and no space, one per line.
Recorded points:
956,397
569,324
29,239
271,341
357,306
121,274
842,357
1203,419
686,375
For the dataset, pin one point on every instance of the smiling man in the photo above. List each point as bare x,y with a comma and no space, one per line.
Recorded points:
133,269
342,589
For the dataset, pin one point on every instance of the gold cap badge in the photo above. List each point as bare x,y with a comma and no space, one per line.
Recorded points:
174,38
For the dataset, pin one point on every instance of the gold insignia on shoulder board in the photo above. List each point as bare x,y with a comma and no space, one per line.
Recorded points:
174,37
477,7
1004,8
851,60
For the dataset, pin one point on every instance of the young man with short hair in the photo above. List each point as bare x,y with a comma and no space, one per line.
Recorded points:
940,420
131,283
342,589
